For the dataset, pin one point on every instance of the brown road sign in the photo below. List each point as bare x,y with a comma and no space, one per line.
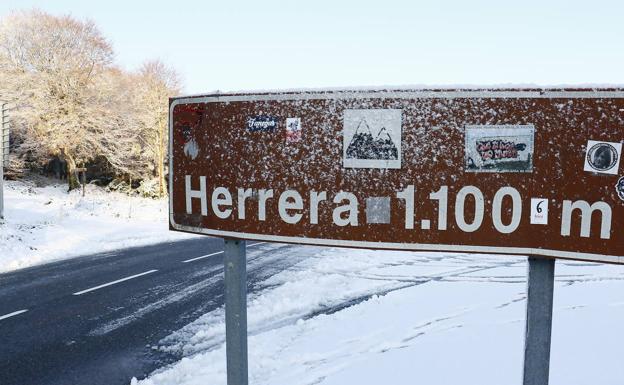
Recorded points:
517,171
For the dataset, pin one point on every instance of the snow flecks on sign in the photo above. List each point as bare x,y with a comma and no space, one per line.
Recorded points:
436,141
369,317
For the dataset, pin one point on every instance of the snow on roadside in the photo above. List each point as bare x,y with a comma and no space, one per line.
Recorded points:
370,317
43,224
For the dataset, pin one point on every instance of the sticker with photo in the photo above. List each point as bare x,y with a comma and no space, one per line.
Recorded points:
603,157
293,130
499,148
619,188
372,138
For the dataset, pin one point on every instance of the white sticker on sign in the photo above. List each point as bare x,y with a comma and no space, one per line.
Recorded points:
603,157
539,211
293,130
372,138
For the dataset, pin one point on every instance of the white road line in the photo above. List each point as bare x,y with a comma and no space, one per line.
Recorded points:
114,282
202,257
217,253
12,314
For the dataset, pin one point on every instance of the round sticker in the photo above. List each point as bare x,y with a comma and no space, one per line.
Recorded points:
602,156
619,187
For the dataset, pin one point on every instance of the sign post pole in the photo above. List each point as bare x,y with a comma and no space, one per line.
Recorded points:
236,311
1,179
540,288
4,142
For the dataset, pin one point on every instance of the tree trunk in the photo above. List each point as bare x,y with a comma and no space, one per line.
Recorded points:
72,177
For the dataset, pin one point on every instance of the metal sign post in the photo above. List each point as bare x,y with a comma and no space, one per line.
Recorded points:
4,153
1,183
236,311
540,287
6,126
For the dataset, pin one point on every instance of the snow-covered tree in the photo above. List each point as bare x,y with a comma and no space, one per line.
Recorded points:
156,82
118,136
71,101
50,69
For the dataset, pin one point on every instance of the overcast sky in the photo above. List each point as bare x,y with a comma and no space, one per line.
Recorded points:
235,45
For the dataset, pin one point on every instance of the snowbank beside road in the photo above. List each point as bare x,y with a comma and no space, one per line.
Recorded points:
378,317
43,224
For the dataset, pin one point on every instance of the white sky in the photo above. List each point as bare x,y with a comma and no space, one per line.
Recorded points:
236,45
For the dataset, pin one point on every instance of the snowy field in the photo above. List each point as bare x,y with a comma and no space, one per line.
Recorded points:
43,224
368,317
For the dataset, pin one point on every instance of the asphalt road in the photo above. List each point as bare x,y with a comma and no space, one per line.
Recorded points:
94,319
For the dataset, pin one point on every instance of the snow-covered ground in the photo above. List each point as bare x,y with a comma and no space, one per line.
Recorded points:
43,224
377,317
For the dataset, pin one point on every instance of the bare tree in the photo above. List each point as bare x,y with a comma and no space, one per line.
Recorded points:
50,68
156,82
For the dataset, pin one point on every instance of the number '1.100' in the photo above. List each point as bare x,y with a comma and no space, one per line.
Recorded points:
479,207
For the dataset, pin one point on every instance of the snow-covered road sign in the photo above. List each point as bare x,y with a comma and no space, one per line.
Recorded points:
410,169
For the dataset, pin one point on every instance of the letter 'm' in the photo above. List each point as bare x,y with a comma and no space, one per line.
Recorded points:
586,215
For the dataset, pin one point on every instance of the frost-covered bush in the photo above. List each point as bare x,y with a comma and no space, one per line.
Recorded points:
149,188
121,186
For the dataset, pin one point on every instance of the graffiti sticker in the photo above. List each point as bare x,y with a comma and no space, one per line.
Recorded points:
293,130
602,157
499,148
372,138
